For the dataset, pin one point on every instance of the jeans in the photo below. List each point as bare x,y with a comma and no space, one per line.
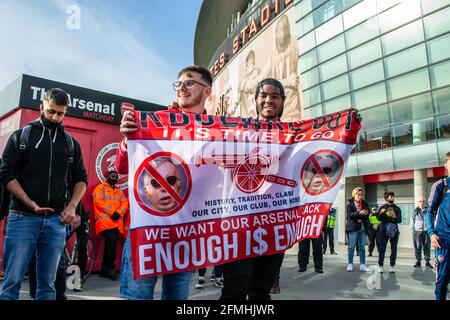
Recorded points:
357,237
26,235
60,281
175,286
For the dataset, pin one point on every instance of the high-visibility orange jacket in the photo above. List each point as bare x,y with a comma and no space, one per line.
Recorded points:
106,201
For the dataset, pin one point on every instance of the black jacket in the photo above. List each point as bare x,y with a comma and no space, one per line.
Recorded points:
352,217
385,219
42,168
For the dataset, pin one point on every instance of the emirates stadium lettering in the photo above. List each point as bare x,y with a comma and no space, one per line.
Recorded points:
90,109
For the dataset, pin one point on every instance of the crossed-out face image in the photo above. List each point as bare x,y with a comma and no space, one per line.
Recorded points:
158,196
321,172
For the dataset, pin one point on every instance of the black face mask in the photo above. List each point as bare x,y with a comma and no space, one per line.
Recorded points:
48,123
390,201
111,182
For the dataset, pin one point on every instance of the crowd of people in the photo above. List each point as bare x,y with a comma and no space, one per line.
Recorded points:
47,179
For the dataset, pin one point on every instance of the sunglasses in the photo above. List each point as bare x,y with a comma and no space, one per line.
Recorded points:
170,180
325,170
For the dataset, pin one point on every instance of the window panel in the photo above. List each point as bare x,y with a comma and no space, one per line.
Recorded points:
329,29
440,74
327,11
304,7
311,96
428,6
313,112
335,87
443,126
370,96
306,43
385,4
402,135
337,104
408,84
412,108
366,75
307,61
437,23
365,53
359,13
423,131
305,25
399,15
404,61
375,118
439,49
362,33
310,78
403,37
375,140
333,68
331,48
441,99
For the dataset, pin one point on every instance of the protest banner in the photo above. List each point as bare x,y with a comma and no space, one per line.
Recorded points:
207,190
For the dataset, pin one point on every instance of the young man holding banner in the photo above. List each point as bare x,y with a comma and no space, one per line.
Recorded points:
255,277
192,88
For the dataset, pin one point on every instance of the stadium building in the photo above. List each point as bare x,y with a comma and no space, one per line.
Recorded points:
390,59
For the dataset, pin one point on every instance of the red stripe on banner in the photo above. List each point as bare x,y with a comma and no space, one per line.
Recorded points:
168,249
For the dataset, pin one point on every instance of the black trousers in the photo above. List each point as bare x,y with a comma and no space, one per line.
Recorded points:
303,252
109,253
384,242
82,240
252,277
328,232
374,239
217,271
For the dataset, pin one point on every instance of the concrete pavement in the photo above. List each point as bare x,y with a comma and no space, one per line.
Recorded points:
335,283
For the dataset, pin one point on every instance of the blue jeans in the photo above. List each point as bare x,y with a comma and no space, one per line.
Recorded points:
25,235
175,286
360,238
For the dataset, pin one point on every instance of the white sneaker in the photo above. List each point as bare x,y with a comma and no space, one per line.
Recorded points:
200,283
364,268
350,267
392,269
380,269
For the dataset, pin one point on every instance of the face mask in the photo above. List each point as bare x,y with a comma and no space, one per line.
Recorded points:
390,201
48,123
112,182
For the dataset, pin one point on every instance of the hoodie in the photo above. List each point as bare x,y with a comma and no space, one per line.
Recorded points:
42,168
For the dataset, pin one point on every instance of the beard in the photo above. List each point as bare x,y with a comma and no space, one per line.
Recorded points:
195,101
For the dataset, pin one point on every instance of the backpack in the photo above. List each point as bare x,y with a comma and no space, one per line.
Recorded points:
5,199
391,230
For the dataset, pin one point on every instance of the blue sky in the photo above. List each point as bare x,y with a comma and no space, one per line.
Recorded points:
132,48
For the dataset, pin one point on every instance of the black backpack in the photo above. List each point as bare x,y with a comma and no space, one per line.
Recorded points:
5,199
5,196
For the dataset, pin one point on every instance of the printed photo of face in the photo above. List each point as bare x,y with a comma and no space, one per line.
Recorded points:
317,179
159,198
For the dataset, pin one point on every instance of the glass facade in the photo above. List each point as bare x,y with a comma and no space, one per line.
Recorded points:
390,59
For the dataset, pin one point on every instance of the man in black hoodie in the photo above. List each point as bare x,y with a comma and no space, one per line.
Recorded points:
390,216
38,174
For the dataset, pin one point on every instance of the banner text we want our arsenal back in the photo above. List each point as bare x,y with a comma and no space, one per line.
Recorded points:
206,190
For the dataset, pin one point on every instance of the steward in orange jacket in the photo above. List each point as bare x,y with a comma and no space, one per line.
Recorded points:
110,206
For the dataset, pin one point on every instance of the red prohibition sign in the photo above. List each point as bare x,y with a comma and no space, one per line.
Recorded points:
321,171
147,167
